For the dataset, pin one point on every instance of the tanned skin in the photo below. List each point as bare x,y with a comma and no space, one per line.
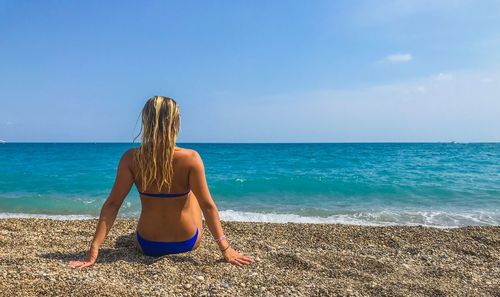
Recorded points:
178,217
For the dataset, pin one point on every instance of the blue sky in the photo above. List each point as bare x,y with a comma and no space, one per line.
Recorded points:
252,71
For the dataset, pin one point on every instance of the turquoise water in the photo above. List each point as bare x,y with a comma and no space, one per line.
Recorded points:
375,184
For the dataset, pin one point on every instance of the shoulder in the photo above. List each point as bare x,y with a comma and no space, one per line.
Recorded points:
189,156
128,156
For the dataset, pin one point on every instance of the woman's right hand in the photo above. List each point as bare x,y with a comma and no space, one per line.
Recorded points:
236,258
91,258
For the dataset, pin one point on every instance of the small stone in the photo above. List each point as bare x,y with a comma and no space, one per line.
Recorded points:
262,289
187,286
224,285
253,274
200,278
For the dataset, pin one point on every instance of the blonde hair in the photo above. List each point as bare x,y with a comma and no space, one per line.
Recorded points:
160,126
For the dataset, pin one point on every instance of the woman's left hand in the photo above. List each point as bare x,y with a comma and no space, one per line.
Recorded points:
91,259
236,258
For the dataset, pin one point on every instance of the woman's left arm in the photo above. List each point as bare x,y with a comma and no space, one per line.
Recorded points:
123,183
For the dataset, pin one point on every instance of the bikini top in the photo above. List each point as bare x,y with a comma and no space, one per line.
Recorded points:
165,195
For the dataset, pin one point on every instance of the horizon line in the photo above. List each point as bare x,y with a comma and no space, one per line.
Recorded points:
258,142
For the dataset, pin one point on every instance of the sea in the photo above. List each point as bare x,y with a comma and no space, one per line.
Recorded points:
376,184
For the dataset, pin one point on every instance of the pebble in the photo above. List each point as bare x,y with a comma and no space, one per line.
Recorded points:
330,273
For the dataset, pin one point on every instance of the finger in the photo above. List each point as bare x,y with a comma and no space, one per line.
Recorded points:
240,261
78,263
235,262
75,263
248,258
244,261
86,264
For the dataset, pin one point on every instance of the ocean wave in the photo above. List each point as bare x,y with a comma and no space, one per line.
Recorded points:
374,218
439,219
60,217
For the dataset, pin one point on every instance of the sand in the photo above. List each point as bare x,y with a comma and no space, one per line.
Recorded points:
291,260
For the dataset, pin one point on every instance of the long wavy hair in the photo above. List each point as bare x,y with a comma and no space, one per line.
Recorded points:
159,130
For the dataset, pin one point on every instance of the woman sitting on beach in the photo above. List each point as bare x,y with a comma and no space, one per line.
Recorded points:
173,190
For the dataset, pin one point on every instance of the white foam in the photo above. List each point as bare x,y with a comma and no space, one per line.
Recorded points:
376,218
438,219
45,216
240,216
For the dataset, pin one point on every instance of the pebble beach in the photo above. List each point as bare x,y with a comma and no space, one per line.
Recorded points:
291,260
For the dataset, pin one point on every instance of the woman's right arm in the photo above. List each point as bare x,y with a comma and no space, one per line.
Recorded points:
198,184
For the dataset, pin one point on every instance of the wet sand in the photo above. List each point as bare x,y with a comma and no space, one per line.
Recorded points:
291,260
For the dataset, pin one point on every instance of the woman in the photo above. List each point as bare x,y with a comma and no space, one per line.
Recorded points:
173,190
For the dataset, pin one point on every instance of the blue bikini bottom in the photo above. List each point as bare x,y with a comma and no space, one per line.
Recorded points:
160,248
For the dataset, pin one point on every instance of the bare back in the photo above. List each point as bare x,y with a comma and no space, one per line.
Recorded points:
170,219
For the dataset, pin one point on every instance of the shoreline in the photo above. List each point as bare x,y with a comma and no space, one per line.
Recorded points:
282,218
292,260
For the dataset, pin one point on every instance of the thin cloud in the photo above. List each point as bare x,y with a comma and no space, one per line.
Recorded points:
443,76
415,110
399,58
